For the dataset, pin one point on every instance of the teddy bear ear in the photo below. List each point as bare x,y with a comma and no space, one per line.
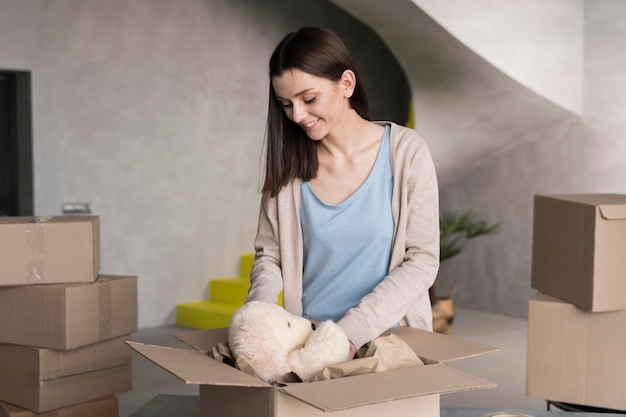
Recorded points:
246,339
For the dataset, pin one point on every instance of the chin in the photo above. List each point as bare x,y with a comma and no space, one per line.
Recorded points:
316,138
316,134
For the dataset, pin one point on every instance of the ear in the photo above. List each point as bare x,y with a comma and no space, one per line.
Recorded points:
348,83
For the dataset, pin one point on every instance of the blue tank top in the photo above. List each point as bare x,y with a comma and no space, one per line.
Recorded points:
347,247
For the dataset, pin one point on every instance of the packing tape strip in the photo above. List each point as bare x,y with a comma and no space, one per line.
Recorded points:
35,272
505,414
36,243
41,219
106,308
35,238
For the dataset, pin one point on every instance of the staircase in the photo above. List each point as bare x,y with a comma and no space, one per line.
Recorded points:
225,296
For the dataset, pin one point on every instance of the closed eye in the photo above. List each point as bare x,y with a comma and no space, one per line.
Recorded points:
289,105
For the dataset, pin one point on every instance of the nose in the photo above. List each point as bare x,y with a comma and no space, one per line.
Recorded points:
313,326
297,112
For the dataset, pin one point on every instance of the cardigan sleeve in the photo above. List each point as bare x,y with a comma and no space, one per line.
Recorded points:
266,276
403,293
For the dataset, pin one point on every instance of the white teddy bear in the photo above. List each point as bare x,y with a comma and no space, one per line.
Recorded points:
275,342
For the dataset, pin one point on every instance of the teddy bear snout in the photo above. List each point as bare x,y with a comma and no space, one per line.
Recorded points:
301,329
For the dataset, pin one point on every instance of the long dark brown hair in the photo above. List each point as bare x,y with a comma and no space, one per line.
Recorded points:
290,154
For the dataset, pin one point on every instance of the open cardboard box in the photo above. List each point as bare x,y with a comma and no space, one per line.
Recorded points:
228,392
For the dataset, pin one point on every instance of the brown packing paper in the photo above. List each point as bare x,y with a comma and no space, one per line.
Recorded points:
222,353
382,354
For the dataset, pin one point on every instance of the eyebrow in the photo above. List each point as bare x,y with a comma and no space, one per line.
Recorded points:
305,91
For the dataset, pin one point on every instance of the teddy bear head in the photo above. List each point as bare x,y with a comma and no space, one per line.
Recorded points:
263,334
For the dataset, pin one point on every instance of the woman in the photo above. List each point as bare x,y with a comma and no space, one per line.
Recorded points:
348,226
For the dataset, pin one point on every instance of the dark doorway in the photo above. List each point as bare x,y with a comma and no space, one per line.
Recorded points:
16,172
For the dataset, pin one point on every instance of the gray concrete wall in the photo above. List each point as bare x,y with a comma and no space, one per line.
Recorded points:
605,97
581,155
154,112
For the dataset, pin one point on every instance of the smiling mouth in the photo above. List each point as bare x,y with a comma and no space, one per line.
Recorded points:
310,125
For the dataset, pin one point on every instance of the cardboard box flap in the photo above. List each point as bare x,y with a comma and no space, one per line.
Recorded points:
349,392
434,347
613,211
194,367
203,340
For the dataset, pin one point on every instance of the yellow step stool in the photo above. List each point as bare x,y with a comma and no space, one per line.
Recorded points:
204,314
229,290
246,261
225,296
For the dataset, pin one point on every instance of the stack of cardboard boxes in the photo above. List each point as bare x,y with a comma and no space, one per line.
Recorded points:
577,320
63,325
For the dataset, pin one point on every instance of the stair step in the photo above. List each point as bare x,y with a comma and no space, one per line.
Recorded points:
229,290
204,314
246,259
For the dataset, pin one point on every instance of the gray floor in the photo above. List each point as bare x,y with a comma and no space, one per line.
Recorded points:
507,367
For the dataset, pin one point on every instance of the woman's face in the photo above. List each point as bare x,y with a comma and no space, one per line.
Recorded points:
316,104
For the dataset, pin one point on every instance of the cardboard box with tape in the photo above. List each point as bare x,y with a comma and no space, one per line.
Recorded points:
67,316
40,379
48,250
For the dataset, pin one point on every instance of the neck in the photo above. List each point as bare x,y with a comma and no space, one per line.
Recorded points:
351,136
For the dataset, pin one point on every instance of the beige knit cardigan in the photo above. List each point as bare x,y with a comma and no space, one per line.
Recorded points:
402,296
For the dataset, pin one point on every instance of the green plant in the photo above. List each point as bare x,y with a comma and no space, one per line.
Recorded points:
455,229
